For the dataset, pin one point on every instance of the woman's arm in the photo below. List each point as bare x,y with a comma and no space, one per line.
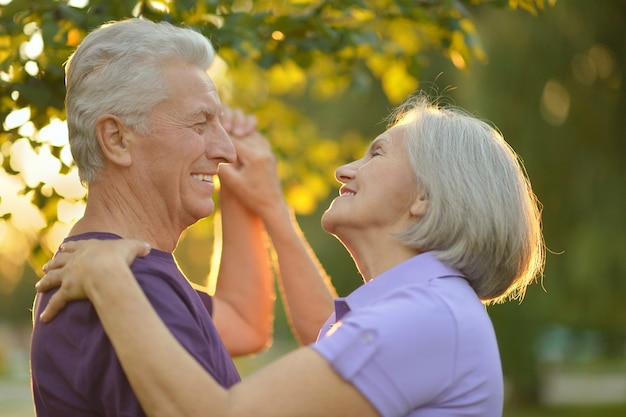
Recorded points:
165,378
306,289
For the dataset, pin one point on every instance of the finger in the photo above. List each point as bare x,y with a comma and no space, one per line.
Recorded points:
137,248
57,303
69,246
251,124
49,281
246,125
59,261
239,120
229,178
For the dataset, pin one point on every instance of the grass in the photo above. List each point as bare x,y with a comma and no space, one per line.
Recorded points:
568,411
16,403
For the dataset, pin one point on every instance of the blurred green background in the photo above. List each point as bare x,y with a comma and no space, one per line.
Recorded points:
554,85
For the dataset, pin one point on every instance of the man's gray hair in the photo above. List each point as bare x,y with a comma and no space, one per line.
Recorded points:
117,70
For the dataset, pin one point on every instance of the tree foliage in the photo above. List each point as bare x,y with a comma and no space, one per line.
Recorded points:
271,53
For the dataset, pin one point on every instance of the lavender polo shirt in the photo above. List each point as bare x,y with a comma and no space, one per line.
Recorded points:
416,341
74,369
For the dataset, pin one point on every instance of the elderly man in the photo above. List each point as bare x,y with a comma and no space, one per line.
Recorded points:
148,132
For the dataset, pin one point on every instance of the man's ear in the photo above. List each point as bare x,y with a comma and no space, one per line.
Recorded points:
112,136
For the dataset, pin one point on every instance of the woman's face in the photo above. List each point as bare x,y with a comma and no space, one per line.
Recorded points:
379,192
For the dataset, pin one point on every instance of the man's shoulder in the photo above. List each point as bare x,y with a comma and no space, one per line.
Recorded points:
157,273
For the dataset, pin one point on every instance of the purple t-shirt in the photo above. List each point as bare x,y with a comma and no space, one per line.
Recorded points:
74,369
416,341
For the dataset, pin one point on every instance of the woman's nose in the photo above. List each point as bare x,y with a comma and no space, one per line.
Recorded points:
345,172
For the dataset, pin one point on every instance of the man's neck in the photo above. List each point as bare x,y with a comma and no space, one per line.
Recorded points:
121,217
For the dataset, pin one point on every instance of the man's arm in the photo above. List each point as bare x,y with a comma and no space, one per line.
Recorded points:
243,305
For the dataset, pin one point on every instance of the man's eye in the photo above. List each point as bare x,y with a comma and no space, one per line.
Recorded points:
199,127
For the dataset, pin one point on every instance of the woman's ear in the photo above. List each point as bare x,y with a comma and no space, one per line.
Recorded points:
112,137
420,205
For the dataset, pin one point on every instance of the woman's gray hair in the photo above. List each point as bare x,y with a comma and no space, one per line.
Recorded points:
117,70
483,217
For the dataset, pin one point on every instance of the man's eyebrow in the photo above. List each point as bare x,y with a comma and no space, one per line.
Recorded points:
204,112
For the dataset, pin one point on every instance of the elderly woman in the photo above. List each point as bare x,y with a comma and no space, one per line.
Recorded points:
440,219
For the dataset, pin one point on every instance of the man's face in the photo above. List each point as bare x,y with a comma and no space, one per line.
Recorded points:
178,159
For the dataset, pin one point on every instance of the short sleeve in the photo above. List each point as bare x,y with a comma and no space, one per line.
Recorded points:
207,300
110,384
398,353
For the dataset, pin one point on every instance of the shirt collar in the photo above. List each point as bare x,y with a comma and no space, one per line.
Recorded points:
418,269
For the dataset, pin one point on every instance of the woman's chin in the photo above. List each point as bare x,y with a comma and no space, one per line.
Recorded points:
328,222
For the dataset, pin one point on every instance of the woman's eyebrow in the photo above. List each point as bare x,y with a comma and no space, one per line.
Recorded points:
380,139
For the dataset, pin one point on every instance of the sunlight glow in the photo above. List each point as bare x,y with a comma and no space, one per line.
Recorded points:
218,69
53,237
16,118
407,118
457,60
35,166
555,103
30,28
68,212
27,130
54,133
14,250
598,63
25,216
278,35
602,59
80,4
10,186
31,68
33,48
216,256
160,6
243,6
66,156
68,185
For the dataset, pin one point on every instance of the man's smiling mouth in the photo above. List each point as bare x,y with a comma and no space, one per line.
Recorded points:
203,177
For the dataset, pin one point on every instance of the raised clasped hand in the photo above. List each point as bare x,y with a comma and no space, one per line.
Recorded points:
254,177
